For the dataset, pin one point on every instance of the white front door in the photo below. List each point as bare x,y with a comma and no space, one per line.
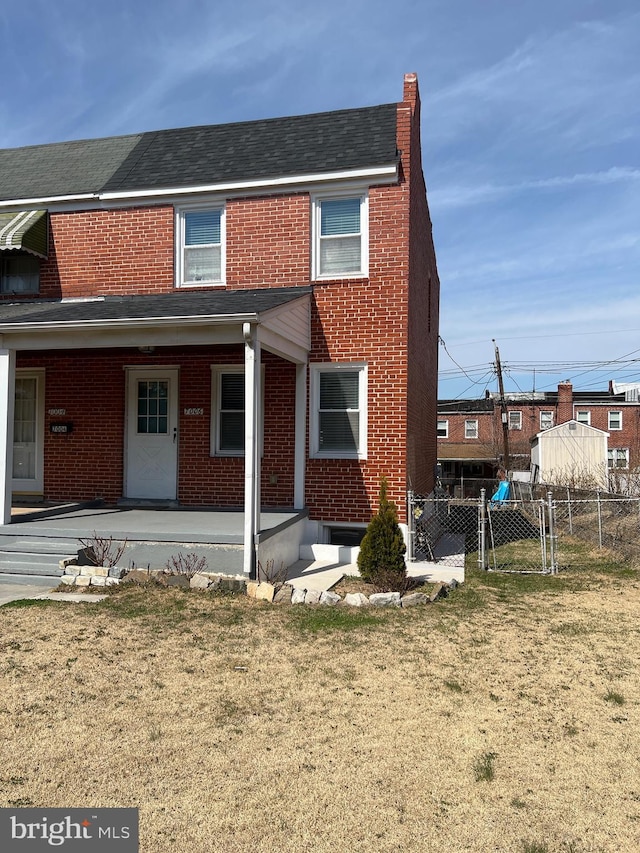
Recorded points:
28,432
152,434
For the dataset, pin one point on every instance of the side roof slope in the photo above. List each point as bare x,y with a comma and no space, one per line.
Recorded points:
210,154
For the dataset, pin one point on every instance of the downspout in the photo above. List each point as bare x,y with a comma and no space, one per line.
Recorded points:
251,455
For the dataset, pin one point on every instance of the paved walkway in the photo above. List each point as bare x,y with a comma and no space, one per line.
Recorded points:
16,587
322,575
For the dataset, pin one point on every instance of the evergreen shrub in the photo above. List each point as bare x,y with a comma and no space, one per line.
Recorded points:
381,558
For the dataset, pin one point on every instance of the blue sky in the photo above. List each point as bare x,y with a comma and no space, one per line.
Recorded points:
531,140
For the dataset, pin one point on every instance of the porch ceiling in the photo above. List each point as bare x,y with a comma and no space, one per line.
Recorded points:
282,317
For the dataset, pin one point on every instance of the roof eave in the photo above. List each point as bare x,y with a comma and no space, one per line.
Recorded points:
386,174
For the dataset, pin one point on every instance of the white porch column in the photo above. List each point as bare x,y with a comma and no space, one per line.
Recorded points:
252,420
300,454
7,403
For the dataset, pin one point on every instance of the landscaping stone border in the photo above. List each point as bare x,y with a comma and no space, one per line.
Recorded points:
76,575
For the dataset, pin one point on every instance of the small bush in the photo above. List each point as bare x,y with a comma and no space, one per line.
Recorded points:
186,564
103,550
381,558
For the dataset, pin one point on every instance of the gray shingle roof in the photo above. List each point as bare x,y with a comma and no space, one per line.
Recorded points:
185,303
211,154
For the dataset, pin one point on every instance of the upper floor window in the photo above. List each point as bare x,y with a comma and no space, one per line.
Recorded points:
201,246
443,429
515,420
546,420
618,457
339,411
340,245
615,420
471,429
583,417
19,273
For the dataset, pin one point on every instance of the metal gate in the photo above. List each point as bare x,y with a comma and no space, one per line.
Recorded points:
515,535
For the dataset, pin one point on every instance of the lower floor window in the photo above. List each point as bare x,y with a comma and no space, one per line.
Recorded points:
227,410
339,411
618,457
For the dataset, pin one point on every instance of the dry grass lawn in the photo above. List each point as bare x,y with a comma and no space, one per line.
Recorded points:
504,718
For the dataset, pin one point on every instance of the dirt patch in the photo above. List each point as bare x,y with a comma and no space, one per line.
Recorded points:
237,726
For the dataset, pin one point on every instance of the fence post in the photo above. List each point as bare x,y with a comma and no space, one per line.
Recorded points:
552,533
482,530
542,523
599,519
569,508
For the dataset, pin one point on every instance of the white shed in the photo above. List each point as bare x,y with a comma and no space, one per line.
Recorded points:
571,454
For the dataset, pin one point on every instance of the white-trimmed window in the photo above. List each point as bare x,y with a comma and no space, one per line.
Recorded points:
339,411
443,428
515,420
618,457
200,247
341,236
546,420
583,417
227,411
471,429
615,420
19,273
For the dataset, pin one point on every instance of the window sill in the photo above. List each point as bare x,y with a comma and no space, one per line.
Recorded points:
189,285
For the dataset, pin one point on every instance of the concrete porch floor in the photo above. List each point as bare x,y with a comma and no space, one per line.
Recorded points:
39,536
141,523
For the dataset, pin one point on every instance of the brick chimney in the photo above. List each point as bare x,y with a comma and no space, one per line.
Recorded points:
410,94
565,402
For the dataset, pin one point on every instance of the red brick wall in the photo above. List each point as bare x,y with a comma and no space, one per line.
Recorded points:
109,252
268,241
88,463
424,303
628,436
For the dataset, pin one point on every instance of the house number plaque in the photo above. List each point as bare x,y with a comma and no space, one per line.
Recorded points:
194,410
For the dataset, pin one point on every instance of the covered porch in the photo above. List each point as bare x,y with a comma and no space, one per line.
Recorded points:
39,536
144,342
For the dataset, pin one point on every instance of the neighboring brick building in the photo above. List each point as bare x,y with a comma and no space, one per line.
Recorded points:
471,436
229,315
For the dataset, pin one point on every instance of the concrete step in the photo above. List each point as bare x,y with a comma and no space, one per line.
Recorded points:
41,555
29,564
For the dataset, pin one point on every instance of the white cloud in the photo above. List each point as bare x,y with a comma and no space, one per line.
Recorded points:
463,196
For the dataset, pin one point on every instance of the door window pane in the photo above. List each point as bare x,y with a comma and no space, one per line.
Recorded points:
24,429
153,397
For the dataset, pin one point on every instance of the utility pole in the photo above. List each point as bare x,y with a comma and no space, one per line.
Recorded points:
503,411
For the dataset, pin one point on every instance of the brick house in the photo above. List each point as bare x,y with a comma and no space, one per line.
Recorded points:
239,315
470,432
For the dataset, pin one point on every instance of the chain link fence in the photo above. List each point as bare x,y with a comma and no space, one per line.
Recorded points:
598,520
539,532
442,529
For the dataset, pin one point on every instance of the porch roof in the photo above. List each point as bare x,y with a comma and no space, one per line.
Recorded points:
456,452
179,317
